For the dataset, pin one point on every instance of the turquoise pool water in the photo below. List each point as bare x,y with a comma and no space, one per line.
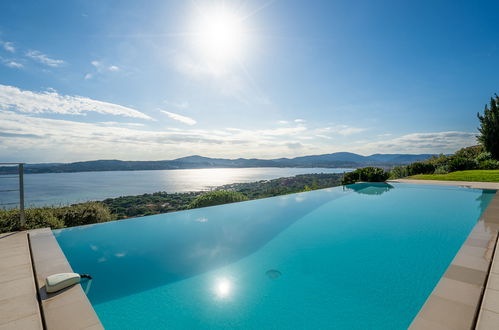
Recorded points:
365,256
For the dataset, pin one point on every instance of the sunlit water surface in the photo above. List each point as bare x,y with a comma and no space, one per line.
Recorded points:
66,188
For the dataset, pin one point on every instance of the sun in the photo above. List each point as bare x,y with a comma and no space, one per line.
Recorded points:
219,34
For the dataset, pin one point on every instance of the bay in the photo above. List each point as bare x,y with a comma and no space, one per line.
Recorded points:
49,189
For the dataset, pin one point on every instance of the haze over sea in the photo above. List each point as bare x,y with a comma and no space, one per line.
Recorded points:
67,188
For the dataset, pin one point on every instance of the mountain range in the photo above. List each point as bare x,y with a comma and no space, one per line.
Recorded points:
334,160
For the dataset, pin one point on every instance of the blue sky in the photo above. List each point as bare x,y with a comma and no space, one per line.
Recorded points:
82,80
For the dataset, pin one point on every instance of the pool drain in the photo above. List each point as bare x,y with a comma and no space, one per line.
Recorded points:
273,273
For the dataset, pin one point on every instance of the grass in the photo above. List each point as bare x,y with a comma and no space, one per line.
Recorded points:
474,175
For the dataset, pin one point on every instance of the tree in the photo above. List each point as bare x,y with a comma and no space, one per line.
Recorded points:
217,197
489,127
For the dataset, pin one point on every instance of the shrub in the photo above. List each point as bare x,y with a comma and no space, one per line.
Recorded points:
483,157
489,164
399,172
442,169
461,164
84,214
420,168
367,174
35,218
437,161
217,197
469,152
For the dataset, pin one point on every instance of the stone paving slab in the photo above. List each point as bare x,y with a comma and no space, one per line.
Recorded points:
19,308
489,310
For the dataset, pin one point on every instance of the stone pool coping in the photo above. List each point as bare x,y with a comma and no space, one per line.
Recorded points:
468,184
68,308
19,307
464,297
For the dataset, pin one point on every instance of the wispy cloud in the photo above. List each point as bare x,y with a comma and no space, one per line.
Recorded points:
13,98
11,63
339,129
44,59
445,142
100,68
180,118
8,46
299,120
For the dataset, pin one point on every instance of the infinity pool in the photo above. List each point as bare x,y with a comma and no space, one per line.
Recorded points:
364,256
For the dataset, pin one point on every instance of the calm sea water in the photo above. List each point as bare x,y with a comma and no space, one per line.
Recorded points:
364,256
67,188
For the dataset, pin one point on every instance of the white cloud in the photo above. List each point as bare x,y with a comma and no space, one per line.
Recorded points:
11,63
100,68
299,120
346,130
14,64
339,129
13,98
8,46
440,142
283,122
37,139
44,59
180,118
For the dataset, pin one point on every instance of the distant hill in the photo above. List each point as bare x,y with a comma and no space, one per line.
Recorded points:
334,160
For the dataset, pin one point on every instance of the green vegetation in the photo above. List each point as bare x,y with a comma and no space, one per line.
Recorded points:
283,186
465,159
55,217
366,174
217,197
473,175
149,204
83,214
489,128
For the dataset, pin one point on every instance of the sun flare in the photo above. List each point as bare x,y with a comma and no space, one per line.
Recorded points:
219,34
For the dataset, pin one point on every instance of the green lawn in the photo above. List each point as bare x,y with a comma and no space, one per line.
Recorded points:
475,175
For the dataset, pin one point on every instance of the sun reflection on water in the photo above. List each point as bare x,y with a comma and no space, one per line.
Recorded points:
223,287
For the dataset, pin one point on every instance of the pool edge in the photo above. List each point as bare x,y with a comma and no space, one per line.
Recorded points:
68,308
455,302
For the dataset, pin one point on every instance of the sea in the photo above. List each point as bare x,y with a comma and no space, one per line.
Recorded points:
57,189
